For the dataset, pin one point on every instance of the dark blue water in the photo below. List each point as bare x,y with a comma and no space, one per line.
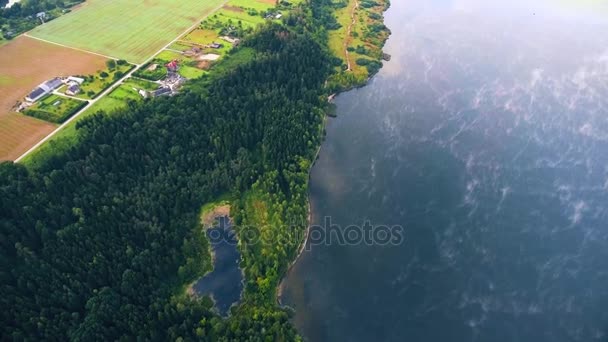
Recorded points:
486,137
225,283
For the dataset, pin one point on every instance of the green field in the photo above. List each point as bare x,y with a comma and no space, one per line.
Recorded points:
54,108
128,29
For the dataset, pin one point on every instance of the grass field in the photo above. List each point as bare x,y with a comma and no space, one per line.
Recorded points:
129,29
25,63
55,108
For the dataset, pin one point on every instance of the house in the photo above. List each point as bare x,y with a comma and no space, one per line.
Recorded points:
73,89
233,41
41,16
75,80
36,94
43,89
54,83
172,66
162,91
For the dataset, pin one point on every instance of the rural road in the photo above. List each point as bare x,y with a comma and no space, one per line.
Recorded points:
113,86
348,34
70,47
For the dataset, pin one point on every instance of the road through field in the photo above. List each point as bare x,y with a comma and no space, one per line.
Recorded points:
69,47
115,85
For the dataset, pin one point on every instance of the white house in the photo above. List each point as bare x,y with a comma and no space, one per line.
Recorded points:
75,79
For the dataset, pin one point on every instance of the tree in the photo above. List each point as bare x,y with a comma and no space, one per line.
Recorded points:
111,64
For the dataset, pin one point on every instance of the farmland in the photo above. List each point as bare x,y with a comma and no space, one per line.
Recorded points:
235,19
68,136
196,57
97,83
25,63
128,29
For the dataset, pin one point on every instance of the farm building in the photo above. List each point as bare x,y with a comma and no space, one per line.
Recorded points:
231,40
161,92
42,16
76,79
172,66
73,89
43,89
215,45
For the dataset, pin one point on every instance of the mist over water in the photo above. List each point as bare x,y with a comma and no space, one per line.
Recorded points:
486,137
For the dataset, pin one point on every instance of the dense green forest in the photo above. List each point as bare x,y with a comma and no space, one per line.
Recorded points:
99,242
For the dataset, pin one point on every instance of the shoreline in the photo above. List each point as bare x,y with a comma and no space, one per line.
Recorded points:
330,99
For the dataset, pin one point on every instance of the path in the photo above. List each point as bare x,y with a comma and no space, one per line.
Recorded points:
115,85
58,93
70,47
348,35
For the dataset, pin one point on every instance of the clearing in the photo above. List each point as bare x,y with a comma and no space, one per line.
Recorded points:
128,29
24,64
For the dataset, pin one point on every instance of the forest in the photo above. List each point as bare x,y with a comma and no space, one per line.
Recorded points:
98,243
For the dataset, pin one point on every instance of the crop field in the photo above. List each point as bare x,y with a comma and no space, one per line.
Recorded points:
128,29
25,63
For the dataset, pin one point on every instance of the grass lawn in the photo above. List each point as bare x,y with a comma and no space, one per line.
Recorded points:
191,72
228,16
201,36
129,29
55,108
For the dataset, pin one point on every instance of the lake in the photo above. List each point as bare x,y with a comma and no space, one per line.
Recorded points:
225,283
485,138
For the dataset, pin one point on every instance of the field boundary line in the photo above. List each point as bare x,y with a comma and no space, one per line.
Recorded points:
70,47
116,84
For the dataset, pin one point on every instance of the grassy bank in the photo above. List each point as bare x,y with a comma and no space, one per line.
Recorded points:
357,41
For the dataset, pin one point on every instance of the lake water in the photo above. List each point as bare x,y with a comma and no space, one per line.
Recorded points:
486,138
225,283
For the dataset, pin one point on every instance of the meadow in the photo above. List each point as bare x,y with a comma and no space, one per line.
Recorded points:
127,29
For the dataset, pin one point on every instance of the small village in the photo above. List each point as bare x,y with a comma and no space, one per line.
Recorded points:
69,88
